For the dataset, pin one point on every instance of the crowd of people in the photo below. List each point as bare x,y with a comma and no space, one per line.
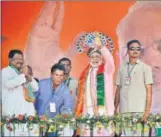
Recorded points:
92,94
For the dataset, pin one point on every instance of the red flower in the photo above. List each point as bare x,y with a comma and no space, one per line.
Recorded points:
20,117
9,127
42,126
43,118
65,116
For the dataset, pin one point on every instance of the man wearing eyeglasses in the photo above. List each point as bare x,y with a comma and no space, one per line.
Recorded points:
134,86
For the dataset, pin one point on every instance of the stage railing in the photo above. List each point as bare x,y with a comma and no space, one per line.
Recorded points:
65,125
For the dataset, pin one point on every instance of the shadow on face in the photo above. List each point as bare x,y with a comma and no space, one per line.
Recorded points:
57,77
67,66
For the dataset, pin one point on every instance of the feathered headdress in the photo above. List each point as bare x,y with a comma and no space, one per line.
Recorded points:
89,40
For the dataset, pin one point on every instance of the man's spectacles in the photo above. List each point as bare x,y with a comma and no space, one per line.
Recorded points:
135,48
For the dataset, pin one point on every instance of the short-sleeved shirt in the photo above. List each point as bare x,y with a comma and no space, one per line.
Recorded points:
133,95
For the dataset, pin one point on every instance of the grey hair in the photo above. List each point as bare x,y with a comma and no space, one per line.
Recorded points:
93,50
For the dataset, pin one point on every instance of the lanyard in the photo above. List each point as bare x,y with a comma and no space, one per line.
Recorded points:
130,70
68,82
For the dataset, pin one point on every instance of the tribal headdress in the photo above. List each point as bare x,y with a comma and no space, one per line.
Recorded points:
88,40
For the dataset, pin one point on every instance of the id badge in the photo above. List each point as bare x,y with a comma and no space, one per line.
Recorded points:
52,107
127,80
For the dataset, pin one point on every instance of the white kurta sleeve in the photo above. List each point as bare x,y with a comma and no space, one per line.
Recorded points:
12,82
34,85
109,61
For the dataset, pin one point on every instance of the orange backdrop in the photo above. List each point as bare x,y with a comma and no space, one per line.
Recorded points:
18,18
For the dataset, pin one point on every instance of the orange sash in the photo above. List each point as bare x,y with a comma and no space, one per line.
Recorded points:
29,97
81,89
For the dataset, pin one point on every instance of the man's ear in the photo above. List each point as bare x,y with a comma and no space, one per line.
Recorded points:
10,59
70,66
127,52
142,53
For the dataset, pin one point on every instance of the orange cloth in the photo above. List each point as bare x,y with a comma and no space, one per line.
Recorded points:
81,86
26,95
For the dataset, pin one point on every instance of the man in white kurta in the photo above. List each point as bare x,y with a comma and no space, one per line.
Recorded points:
13,101
14,78
90,101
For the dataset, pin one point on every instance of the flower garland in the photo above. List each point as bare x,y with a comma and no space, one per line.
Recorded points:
60,121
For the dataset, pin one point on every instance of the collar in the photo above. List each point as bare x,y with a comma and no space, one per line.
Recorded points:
14,68
69,78
137,62
67,82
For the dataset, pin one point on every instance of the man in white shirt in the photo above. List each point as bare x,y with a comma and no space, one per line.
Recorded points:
95,89
70,81
134,86
16,83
